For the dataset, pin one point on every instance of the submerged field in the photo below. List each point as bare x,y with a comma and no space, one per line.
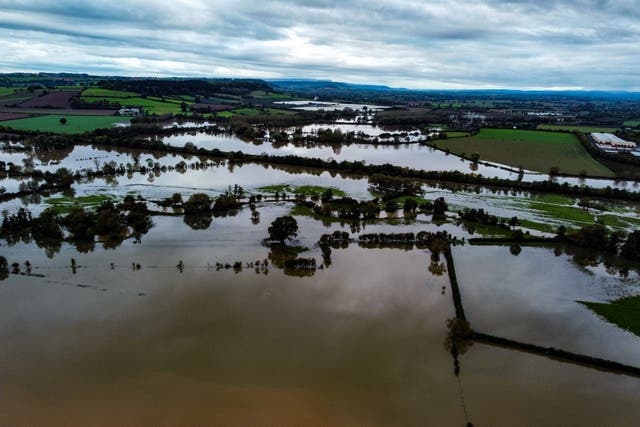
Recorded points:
533,150
200,319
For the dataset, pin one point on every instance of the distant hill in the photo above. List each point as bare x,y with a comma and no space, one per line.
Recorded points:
198,87
331,88
327,85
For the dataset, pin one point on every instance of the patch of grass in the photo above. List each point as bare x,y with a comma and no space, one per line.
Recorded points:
295,250
584,129
75,124
555,198
270,95
456,134
247,111
278,188
306,190
225,114
487,230
400,200
632,123
563,212
65,204
538,226
624,312
534,150
298,210
316,190
619,221
178,100
4,91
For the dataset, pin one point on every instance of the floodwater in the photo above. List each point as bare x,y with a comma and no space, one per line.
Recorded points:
358,343
328,106
403,154
217,177
411,155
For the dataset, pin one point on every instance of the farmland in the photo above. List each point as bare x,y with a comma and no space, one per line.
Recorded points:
151,106
60,99
584,129
18,97
533,150
12,116
4,91
75,123
97,92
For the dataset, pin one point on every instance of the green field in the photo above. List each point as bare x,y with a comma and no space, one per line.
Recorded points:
149,105
4,91
457,134
64,205
97,92
584,129
270,95
632,123
533,150
624,312
75,124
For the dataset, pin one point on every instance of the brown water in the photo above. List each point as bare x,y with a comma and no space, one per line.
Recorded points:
358,343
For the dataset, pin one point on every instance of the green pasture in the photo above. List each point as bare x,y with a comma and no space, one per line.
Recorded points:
533,150
583,129
75,123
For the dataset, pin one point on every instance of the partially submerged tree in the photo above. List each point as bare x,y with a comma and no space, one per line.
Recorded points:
283,228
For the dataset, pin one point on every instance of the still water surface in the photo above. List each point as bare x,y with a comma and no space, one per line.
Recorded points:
358,343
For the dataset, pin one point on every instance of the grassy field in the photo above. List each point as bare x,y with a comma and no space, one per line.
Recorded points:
270,95
533,150
584,129
149,105
456,134
307,190
624,312
75,124
97,92
64,205
4,91
632,123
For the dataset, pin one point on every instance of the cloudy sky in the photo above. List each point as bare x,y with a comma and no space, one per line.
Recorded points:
577,44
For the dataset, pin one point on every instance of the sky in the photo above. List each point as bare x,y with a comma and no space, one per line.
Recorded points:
517,44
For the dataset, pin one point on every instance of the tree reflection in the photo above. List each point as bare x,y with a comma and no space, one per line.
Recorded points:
198,221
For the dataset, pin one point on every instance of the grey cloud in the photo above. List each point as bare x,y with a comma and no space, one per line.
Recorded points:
421,44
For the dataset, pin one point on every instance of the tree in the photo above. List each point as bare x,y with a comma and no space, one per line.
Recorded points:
410,206
63,121
631,247
283,228
439,206
4,268
197,203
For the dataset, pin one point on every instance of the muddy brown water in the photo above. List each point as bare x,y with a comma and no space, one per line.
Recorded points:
358,343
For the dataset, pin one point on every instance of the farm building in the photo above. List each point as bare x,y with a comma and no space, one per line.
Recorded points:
129,111
609,141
